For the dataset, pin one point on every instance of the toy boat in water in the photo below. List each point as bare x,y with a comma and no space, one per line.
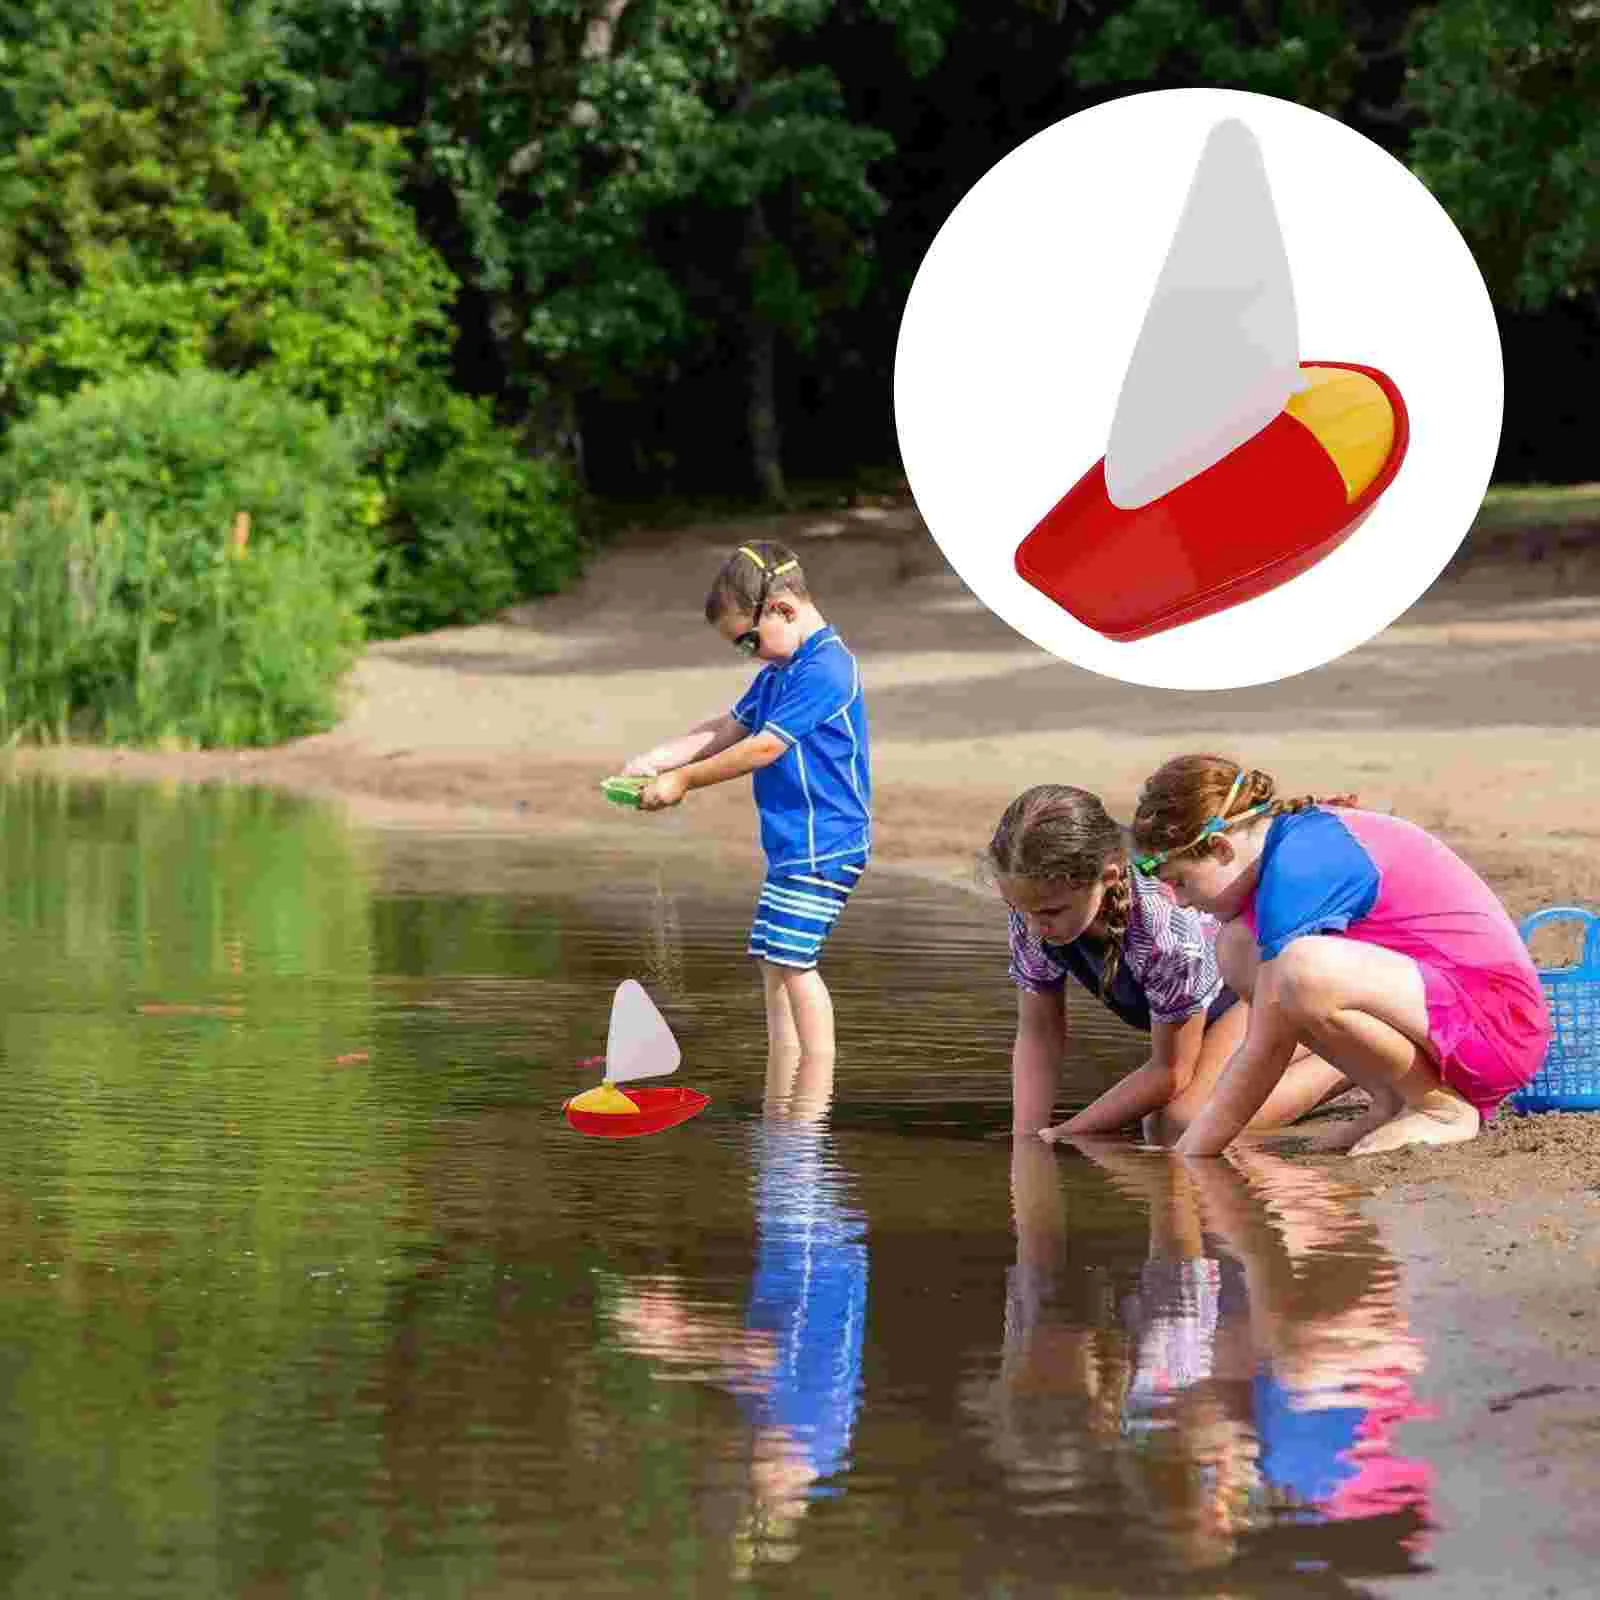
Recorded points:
639,1045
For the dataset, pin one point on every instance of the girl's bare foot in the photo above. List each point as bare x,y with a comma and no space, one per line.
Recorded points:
1347,1134
1442,1118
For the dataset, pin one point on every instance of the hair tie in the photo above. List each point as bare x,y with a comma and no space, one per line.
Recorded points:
745,550
1220,823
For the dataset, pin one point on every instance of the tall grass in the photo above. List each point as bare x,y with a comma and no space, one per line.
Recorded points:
184,559
161,632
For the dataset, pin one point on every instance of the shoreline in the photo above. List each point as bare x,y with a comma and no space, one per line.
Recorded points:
1474,715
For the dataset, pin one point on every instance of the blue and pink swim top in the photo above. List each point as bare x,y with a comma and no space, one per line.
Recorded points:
1384,881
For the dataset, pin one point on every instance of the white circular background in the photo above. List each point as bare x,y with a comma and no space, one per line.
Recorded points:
1018,330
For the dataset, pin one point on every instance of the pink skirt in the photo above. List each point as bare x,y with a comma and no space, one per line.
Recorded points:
1489,1029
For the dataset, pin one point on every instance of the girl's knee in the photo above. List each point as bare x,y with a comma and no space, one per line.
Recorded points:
1302,986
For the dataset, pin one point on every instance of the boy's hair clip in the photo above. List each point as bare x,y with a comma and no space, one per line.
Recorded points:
745,550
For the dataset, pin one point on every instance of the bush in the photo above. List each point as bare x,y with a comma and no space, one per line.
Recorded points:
472,521
150,217
182,559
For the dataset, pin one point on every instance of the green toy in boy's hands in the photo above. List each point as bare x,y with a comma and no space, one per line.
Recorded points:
624,791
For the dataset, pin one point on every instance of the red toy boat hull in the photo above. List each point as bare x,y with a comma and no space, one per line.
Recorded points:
1265,513
659,1108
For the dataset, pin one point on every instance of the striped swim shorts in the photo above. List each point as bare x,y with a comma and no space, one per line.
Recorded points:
797,911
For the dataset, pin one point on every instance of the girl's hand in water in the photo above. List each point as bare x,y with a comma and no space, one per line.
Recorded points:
638,767
666,790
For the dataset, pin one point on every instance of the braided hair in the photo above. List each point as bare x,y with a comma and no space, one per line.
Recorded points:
1181,797
1053,833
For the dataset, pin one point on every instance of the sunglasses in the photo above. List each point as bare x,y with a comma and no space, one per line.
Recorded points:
749,642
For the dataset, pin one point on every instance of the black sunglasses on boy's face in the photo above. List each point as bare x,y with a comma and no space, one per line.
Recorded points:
748,642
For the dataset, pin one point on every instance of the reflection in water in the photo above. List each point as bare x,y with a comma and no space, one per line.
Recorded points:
306,1287
1236,1402
794,1360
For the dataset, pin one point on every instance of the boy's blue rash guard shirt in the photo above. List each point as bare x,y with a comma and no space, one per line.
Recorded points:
815,800
1316,877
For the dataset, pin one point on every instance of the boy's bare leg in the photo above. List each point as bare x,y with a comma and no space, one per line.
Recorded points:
810,1092
812,1007
783,1038
800,1045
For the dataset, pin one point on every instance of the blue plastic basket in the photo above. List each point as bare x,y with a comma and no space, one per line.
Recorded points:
1569,1080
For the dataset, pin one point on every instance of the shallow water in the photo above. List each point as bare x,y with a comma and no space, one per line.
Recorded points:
308,1288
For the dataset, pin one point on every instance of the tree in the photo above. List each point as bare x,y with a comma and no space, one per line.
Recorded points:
1342,57
589,152
781,156
1508,91
149,217
1492,103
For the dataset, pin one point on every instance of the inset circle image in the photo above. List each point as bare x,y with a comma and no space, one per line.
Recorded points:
1198,389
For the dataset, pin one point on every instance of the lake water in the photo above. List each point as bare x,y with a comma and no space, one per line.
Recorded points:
308,1289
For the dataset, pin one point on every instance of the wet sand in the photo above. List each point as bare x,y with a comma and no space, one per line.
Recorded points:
1473,715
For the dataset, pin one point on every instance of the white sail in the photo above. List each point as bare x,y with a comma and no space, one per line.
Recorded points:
639,1044
1218,356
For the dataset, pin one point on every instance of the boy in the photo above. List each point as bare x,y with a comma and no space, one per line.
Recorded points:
801,728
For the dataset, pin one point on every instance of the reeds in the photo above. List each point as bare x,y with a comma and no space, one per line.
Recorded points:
161,632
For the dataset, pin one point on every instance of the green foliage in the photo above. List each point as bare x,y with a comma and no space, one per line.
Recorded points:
136,606
1510,138
579,157
1305,50
1499,97
556,136
474,522
791,150
150,218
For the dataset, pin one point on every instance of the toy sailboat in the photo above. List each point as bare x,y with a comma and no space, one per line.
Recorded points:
1232,466
638,1045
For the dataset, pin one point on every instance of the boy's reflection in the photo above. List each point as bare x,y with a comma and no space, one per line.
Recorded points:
1244,1400
794,1361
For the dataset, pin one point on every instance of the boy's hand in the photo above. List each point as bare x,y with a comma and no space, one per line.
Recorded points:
639,767
659,793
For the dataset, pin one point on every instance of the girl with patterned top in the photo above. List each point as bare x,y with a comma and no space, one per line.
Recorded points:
1078,908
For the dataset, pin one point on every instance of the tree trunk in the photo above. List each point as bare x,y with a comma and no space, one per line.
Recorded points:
761,352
